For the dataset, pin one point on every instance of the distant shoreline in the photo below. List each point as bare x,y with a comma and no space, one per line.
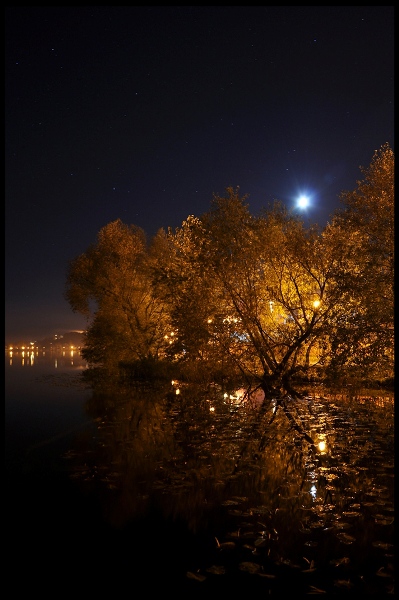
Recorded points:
70,338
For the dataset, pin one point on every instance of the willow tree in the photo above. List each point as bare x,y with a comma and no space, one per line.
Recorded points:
361,239
259,290
110,285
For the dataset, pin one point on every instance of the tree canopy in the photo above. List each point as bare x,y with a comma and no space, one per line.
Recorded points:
262,298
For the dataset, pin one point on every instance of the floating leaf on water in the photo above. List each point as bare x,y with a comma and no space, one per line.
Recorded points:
390,589
234,534
315,590
260,510
340,561
382,573
345,538
388,466
389,509
260,543
382,520
240,499
288,563
382,545
227,546
246,513
376,491
248,547
342,525
195,576
343,583
351,513
236,513
249,567
216,570
248,534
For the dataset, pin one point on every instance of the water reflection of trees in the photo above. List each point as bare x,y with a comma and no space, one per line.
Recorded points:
274,489
190,452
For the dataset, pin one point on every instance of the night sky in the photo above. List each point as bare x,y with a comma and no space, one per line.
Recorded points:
144,113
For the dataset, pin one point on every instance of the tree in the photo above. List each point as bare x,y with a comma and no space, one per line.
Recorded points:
256,288
361,239
111,286
263,298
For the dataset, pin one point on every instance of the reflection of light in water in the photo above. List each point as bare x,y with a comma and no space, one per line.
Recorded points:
211,409
56,363
322,444
313,492
236,397
255,398
174,383
32,359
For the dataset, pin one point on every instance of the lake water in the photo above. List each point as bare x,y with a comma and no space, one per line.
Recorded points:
193,490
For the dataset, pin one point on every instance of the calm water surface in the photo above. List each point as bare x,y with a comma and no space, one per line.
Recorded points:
198,491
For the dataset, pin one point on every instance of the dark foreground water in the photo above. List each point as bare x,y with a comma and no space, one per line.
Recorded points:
193,492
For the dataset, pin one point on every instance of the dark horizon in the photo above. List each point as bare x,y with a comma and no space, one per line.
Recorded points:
53,337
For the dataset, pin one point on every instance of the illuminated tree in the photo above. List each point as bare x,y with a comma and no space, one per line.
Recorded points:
110,285
255,289
361,238
182,285
262,298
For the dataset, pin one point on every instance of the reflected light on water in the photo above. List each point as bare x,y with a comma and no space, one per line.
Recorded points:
28,357
322,444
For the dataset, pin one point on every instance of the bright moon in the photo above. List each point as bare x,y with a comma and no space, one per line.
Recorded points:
302,202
